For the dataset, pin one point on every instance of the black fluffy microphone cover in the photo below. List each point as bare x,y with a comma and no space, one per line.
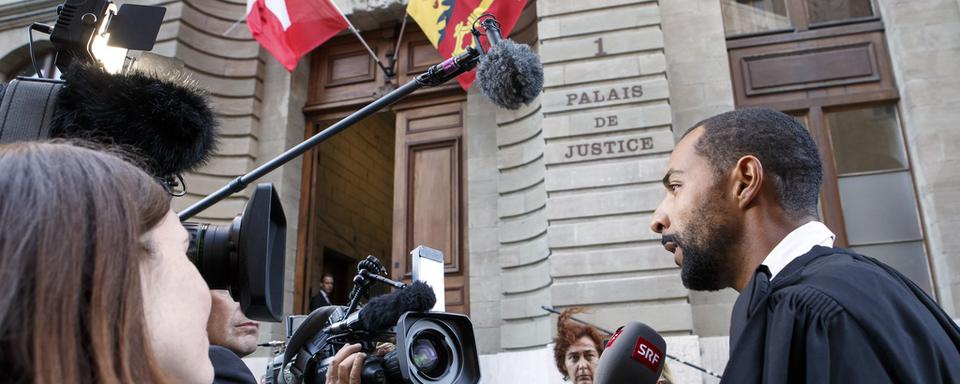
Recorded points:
510,74
164,119
384,311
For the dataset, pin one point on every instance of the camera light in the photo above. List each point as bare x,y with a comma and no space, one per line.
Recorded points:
111,58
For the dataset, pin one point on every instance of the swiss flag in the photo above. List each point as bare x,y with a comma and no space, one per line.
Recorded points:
290,29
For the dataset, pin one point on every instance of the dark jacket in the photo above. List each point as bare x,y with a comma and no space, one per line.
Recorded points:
228,368
832,316
318,301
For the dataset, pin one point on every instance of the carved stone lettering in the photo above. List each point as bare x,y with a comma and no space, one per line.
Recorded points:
609,147
605,121
605,94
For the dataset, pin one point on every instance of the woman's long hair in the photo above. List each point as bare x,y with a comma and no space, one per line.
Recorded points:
71,304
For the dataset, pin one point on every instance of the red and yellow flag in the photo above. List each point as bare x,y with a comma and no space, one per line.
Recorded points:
447,23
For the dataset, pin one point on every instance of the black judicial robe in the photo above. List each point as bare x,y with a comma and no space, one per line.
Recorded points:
833,316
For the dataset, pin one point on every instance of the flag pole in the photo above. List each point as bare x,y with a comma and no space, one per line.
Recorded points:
356,33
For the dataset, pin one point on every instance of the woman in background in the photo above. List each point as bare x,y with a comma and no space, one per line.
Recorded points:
95,285
576,348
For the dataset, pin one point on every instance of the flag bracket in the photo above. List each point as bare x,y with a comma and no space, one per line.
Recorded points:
387,70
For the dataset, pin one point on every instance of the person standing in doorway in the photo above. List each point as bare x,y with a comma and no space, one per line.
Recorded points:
325,296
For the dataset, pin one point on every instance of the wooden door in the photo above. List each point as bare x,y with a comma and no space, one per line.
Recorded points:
430,196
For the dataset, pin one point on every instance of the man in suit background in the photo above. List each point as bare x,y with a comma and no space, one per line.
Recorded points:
325,296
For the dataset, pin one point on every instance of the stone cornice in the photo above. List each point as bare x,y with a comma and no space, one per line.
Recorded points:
23,13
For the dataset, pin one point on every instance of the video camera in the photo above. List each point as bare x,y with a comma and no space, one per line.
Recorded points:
430,347
167,122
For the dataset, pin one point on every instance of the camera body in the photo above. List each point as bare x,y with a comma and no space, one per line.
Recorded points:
428,347
94,104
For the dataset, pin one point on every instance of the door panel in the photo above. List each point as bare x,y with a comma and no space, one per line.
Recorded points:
429,198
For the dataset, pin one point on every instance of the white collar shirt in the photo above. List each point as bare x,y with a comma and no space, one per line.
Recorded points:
796,244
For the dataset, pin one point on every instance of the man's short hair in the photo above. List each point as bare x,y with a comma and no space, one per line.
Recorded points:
783,145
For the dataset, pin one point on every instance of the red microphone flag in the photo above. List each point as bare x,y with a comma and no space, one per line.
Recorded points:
290,29
447,23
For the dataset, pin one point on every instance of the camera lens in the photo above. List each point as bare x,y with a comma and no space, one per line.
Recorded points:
430,354
425,355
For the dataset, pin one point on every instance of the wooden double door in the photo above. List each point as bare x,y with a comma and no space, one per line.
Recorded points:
428,170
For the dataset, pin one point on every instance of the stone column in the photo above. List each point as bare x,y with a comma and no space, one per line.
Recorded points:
700,87
607,129
925,50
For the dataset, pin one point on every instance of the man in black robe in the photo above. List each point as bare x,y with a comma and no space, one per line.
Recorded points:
741,212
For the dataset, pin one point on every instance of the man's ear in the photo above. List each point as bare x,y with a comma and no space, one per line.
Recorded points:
747,180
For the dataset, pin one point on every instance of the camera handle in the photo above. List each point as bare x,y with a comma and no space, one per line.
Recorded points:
364,279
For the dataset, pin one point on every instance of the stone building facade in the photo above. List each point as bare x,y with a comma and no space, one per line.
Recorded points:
549,205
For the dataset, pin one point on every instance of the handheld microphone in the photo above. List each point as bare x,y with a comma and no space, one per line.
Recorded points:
384,311
509,74
633,355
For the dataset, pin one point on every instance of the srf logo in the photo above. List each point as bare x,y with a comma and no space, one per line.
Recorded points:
648,354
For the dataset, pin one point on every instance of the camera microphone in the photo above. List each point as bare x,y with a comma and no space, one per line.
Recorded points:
633,355
509,74
166,120
384,311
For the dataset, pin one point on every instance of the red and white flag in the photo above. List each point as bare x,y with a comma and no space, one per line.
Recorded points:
290,29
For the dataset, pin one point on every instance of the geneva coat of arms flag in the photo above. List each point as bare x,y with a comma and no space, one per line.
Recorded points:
447,23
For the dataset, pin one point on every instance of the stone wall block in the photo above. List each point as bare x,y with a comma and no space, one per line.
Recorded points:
527,128
523,253
523,227
580,262
202,41
560,7
672,317
592,122
614,43
526,278
611,68
522,202
520,154
618,290
643,143
507,116
606,95
611,173
599,21
525,305
606,231
632,200
484,314
522,177
515,334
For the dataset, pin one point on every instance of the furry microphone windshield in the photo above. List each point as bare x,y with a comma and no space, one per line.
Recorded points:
510,74
384,311
167,121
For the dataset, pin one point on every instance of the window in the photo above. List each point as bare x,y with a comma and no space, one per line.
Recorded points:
753,17
830,70
825,11
866,140
877,199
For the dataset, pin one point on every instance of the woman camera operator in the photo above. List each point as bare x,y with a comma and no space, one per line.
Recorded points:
95,285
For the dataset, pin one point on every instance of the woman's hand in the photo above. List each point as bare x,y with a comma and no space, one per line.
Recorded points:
346,365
